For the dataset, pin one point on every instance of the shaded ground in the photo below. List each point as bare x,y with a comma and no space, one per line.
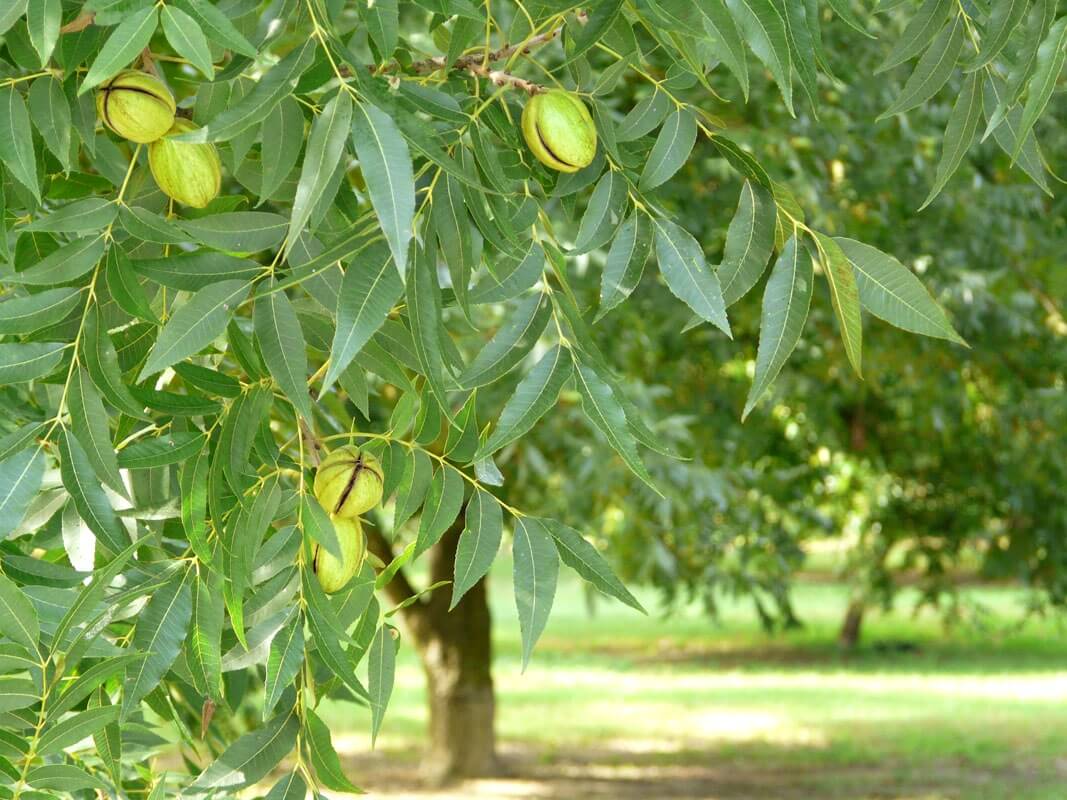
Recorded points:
622,706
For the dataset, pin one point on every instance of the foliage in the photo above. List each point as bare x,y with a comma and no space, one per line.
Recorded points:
184,368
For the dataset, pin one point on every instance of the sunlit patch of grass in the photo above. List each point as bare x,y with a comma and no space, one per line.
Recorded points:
956,716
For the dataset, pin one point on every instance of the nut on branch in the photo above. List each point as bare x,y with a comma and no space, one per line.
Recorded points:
136,106
187,172
334,573
349,482
559,130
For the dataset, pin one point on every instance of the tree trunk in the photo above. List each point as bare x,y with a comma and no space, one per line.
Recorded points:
852,625
456,652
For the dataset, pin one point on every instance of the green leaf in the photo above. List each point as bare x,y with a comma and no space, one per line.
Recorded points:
145,225
749,242
10,14
1026,154
786,301
63,778
626,261
512,343
921,30
414,482
688,276
193,482
369,290
90,423
323,757
583,558
453,228
17,693
73,729
290,787
644,117
21,362
424,316
20,478
1004,18
102,363
276,84
284,661
478,544
217,26
327,633
325,145
70,261
195,325
535,570
317,524
671,151
801,44
86,602
764,29
281,341
18,618
124,44
88,495
604,208
960,134
124,287
607,415
50,111
890,291
240,231
933,70
844,294
89,680
442,506
843,9
1051,56
161,628
251,757
382,671
159,451
727,43
187,39
536,393
16,140
203,649
35,311
282,135
386,163
190,272
509,283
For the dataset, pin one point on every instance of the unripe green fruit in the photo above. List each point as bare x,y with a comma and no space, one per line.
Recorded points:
559,130
349,482
187,172
334,573
136,106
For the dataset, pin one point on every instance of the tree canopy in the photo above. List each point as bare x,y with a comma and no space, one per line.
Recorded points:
348,237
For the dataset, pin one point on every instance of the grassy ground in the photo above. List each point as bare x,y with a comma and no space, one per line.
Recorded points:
623,706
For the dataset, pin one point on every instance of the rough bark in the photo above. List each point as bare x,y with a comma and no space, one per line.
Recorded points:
456,653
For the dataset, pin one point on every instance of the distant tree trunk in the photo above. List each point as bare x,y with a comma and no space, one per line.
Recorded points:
852,625
456,653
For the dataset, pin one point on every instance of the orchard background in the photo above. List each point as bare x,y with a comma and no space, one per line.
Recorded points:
673,502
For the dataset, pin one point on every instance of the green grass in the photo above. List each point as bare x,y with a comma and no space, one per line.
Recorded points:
968,715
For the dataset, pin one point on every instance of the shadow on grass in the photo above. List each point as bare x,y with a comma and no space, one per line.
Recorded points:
737,774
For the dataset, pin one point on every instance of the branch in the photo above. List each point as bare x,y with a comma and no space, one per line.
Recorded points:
478,65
